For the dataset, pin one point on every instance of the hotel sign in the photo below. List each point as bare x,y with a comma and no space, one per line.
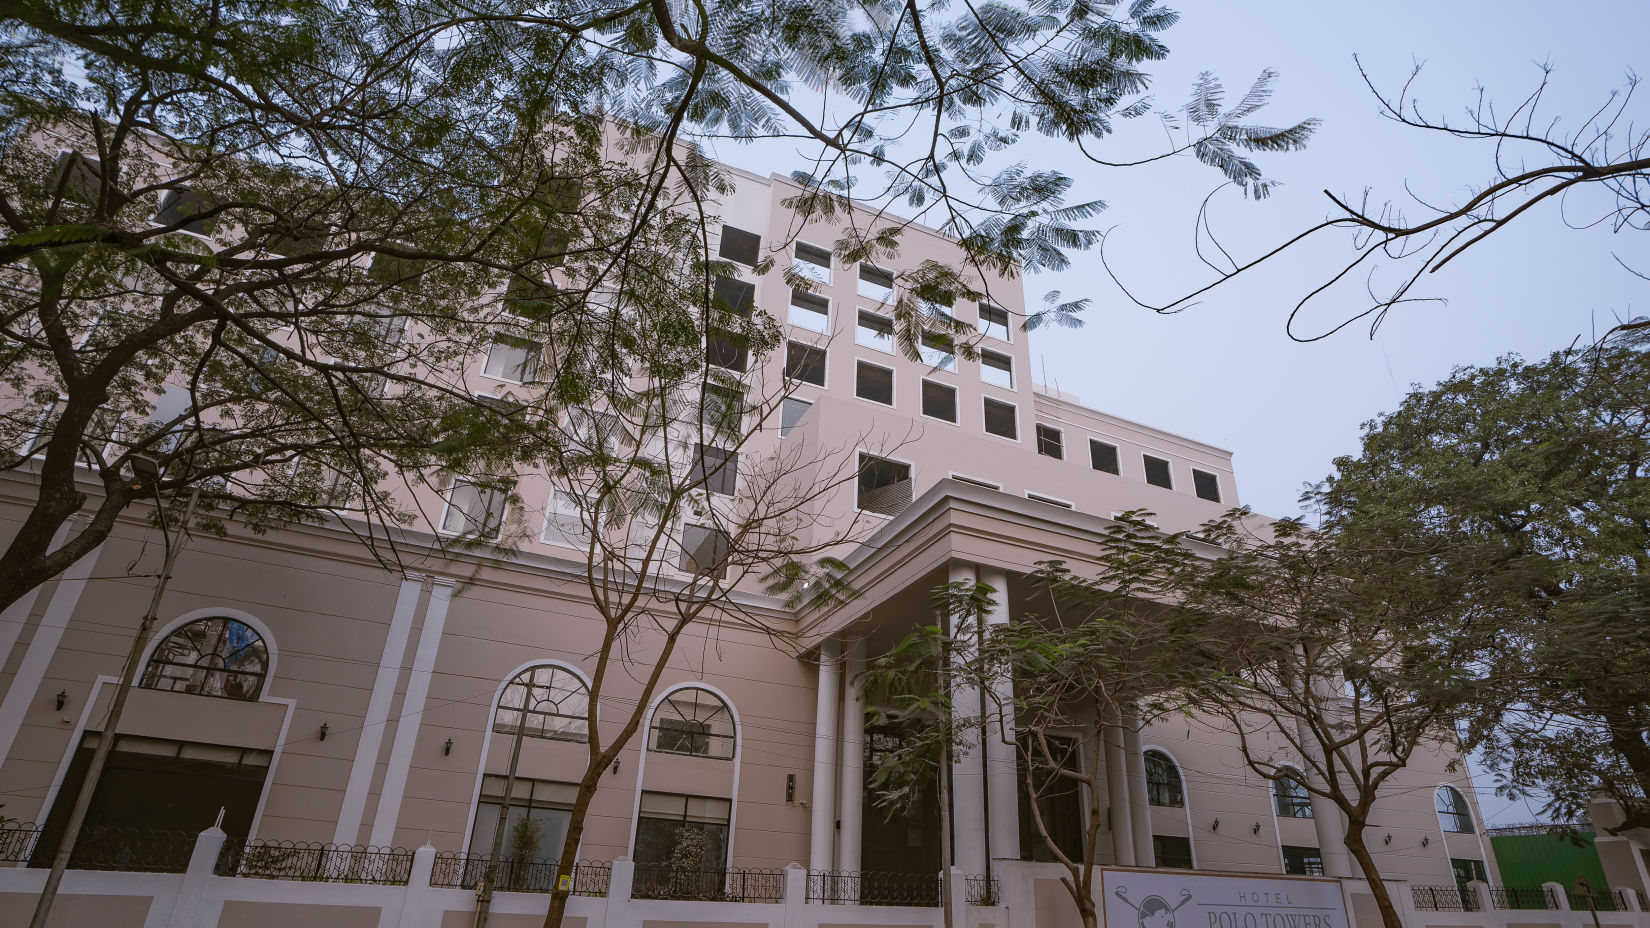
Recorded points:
1182,899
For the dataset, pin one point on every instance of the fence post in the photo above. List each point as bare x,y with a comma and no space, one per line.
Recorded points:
621,882
796,894
415,898
1556,893
956,890
202,862
1493,916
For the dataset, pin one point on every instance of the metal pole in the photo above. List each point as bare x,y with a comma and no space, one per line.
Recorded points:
100,754
484,898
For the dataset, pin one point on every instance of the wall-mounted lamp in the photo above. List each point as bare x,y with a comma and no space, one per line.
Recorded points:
323,731
1215,826
615,767
1425,840
62,699
1388,839
447,749
790,787
1255,830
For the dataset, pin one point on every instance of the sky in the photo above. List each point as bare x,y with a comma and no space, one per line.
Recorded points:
1226,372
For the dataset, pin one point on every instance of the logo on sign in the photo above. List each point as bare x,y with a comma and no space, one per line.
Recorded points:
1154,911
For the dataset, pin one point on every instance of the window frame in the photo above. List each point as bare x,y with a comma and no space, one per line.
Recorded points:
534,361
723,479
797,262
1453,816
1116,457
882,343
1299,803
1168,470
785,430
1162,786
975,481
910,477
722,245
824,363
861,284
985,421
794,308
1306,855
1047,500
893,383
956,406
724,707
1197,485
717,571
573,733
984,327
151,677
447,500
1058,442
551,511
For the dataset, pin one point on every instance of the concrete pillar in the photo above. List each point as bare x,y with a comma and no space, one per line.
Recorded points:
1117,790
967,770
415,902
850,801
796,895
621,882
822,834
1002,760
1140,811
378,712
203,860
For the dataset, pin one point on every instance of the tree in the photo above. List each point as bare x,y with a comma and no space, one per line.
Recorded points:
1532,476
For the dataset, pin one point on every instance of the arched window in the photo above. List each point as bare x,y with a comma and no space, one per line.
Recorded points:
545,702
1453,812
693,721
209,657
1290,798
1163,781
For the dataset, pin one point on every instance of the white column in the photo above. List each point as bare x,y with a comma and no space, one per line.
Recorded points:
1327,820
16,615
1117,791
1002,767
823,828
412,715
26,685
378,712
1140,810
850,801
967,770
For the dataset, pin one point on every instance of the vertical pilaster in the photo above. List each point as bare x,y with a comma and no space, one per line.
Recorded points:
1117,790
1002,767
968,767
412,715
1140,810
26,684
1327,820
823,827
378,712
850,811
16,615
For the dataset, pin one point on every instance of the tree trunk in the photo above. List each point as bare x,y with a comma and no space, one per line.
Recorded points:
1372,874
570,845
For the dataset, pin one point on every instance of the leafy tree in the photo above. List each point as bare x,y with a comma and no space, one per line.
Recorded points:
1532,477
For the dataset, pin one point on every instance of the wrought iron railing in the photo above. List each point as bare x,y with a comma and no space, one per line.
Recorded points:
1458,898
736,885
112,847
17,841
315,862
1612,901
1522,897
982,890
853,887
539,875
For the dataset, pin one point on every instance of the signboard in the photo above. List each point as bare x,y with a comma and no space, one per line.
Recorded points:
1183,899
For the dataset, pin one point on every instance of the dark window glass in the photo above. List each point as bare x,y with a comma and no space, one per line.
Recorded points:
1302,861
1157,472
726,349
1290,798
1049,500
723,410
534,829
1207,485
1058,799
734,296
1467,869
718,468
704,551
1163,781
999,419
997,369
872,274
681,847
739,245
1172,852
1103,456
805,363
813,254
884,485
1050,441
874,383
939,401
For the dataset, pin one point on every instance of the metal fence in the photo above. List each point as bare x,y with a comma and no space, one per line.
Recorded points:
1445,898
854,887
111,847
315,862
1613,901
662,881
17,841
1522,897
466,871
982,890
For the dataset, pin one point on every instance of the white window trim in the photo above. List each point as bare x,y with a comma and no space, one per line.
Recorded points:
780,428
861,283
985,367
879,515
893,384
797,262
826,367
975,481
1039,439
1112,443
940,368
1219,496
990,434
1008,325
956,394
830,312
550,513
489,352
447,506
1168,461
871,344
1050,500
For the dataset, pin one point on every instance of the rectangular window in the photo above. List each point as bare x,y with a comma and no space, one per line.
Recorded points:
805,363
994,321
1206,484
938,351
704,551
1000,419
595,431
741,246
791,411
667,827
732,295
473,510
997,369
726,349
884,485
1036,497
1172,852
939,401
534,831
813,262
564,521
810,311
182,206
1302,861
876,283
1468,869
513,359
875,331
1103,456
1050,442
1059,798
723,411
1157,472
874,383
717,468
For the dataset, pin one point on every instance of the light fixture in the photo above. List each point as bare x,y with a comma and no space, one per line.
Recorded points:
1425,840
1215,826
790,787
615,766
1255,830
62,699
447,749
147,468
1388,838
323,731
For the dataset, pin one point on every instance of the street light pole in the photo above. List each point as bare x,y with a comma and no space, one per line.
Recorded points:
100,754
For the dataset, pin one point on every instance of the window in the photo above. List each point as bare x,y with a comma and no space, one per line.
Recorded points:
81,179
1163,781
209,657
994,321
1302,861
974,482
723,410
545,702
564,520
693,721
473,510
704,551
396,271
1102,456
874,383
1059,799
739,245
791,411
1453,813
805,363
180,207
874,331
673,834
294,239
1050,442
813,262
1206,485
717,468
938,351
810,311
884,486
997,369
1467,869
726,349
1157,472
939,401
1174,853
1039,498
1290,798
594,431
513,359
876,283
534,831
732,295
999,419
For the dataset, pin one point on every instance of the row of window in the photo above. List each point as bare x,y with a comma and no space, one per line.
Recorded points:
1103,457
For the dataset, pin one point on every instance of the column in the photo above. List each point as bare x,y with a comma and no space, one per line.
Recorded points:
1140,810
1002,759
1117,790
850,801
823,826
1327,821
378,712
412,715
967,769
16,615
47,633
